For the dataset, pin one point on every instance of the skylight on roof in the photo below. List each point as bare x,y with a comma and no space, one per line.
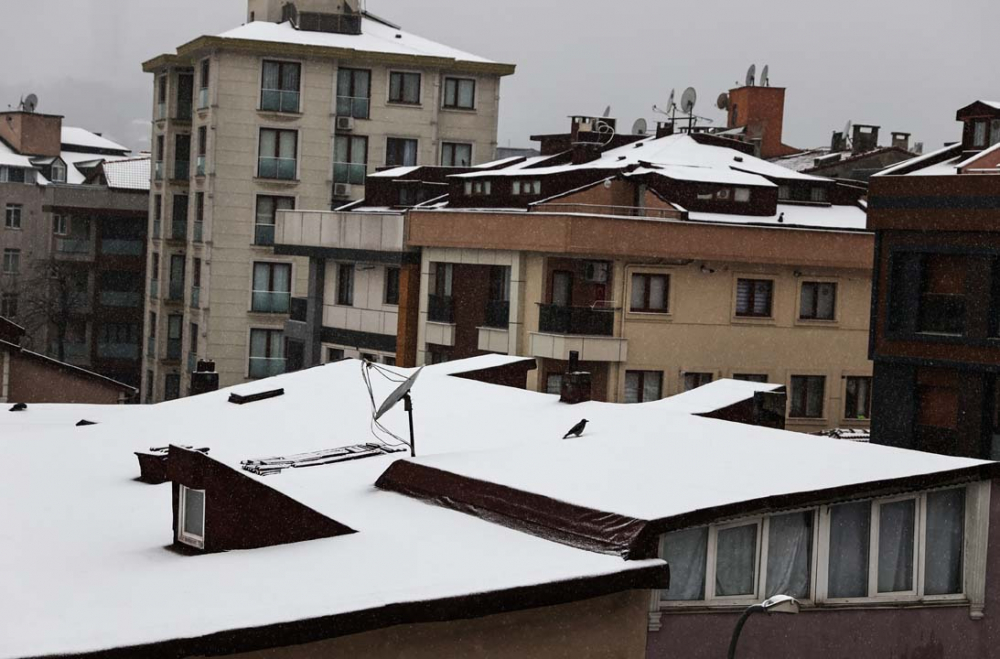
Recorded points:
276,465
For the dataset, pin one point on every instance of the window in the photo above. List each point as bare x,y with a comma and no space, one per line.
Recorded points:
266,218
944,537
784,192
819,301
279,87
818,195
808,394
160,154
849,549
16,175
151,345
278,154
478,188
456,155
643,386
858,401
177,264
202,150
695,380
161,97
334,355
175,336
182,157
979,133
149,386
345,284
191,513
723,194
203,87
750,377
60,223
789,555
753,298
58,171
272,287
942,294
199,217
553,384
350,159
995,132
354,91
736,560
267,353
11,261
196,283
8,305
686,549
649,293
172,386
896,530
460,93
404,88
12,216
742,195
937,398
392,286
533,187
400,152
178,226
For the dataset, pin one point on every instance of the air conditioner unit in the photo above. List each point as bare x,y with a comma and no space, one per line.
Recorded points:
596,272
345,124
341,190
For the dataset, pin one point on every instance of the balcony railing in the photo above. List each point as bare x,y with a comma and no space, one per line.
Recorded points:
120,299
199,232
154,288
277,168
158,170
200,166
182,170
266,367
192,362
441,309
178,230
184,109
161,111
157,227
128,351
582,321
176,293
263,234
271,302
498,314
279,100
74,352
203,98
173,349
121,247
72,246
195,297
300,309
353,106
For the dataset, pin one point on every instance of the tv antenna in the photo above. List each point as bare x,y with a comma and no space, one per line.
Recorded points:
765,76
688,101
402,393
607,113
29,103
639,127
751,75
671,109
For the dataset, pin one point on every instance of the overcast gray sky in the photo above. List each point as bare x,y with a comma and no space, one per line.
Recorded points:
903,64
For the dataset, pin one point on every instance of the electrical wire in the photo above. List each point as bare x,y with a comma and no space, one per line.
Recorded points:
376,426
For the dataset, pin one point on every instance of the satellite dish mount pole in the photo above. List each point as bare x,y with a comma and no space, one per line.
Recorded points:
408,406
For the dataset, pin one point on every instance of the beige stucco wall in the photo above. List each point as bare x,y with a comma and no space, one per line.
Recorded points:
610,627
231,185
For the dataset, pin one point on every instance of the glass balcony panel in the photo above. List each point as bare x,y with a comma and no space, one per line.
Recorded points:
120,299
498,314
122,247
173,349
269,302
441,309
199,232
261,367
264,234
581,321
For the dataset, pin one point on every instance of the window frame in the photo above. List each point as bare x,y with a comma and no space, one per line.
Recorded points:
281,64
643,374
353,89
446,102
345,285
13,216
753,281
402,75
11,261
351,166
257,224
183,536
454,149
824,411
270,349
816,318
401,140
390,293
272,269
647,285
276,157
868,397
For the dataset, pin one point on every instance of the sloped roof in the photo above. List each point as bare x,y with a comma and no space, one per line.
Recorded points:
83,138
130,174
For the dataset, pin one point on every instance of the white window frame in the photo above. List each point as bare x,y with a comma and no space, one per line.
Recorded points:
60,224
183,536
742,195
711,563
13,216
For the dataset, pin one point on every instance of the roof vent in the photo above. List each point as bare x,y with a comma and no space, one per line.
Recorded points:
276,465
153,464
238,399
738,158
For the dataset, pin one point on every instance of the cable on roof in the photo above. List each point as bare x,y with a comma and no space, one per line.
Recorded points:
376,426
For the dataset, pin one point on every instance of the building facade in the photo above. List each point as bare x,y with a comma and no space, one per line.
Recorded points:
935,336
276,116
73,240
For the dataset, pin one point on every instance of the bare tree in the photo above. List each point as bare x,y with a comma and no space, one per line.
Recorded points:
52,296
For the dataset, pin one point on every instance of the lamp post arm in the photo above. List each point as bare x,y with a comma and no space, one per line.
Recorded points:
739,628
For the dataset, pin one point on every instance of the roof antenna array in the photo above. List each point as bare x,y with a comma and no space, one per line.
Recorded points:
765,76
671,109
29,103
751,75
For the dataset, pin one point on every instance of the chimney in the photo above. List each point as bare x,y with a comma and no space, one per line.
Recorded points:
664,129
761,111
32,134
837,143
576,384
865,138
901,141
204,379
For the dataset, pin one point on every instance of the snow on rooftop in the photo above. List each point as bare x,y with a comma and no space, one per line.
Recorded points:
131,174
376,37
716,395
941,168
395,172
705,175
81,137
793,215
11,159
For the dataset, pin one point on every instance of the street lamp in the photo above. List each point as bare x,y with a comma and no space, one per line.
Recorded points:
777,604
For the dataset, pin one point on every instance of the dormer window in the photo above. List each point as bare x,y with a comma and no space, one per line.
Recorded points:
742,195
528,187
995,132
784,192
818,195
58,171
979,133
191,517
478,188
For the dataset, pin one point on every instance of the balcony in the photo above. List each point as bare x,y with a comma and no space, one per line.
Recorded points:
176,293
178,230
497,314
353,106
75,246
196,297
271,302
578,321
300,309
157,226
173,349
199,232
184,109
278,100
154,288
117,247
124,299
264,367
283,169
128,351
161,111
441,309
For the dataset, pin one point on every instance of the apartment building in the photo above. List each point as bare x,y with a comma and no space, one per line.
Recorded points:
654,264
73,240
290,111
935,336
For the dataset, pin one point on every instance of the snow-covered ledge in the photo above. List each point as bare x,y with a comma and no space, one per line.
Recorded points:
441,334
496,340
590,348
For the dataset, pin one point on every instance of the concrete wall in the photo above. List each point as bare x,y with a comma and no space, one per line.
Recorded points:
610,627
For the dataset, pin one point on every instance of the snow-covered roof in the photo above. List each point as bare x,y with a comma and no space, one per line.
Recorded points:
11,159
96,572
705,175
376,37
81,137
812,216
130,174
800,162
716,395
394,172
945,167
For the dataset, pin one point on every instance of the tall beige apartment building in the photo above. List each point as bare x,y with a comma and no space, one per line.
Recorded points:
290,111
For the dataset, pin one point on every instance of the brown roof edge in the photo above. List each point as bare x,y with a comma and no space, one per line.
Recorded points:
67,367
856,491
542,516
464,607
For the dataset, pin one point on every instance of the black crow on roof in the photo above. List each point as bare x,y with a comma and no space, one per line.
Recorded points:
577,430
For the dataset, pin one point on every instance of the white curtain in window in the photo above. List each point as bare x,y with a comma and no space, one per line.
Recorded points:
651,385
261,272
282,278
735,560
657,292
287,145
895,546
271,75
685,552
258,344
290,78
409,153
632,379
850,526
268,143
945,537
466,93
194,513
789,555
638,292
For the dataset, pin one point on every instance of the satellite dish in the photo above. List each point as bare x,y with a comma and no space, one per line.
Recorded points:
765,76
30,103
751,75
670,102
723,102
688,100
398,395
607,113
639,127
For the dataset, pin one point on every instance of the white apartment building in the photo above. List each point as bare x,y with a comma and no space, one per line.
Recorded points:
291,111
